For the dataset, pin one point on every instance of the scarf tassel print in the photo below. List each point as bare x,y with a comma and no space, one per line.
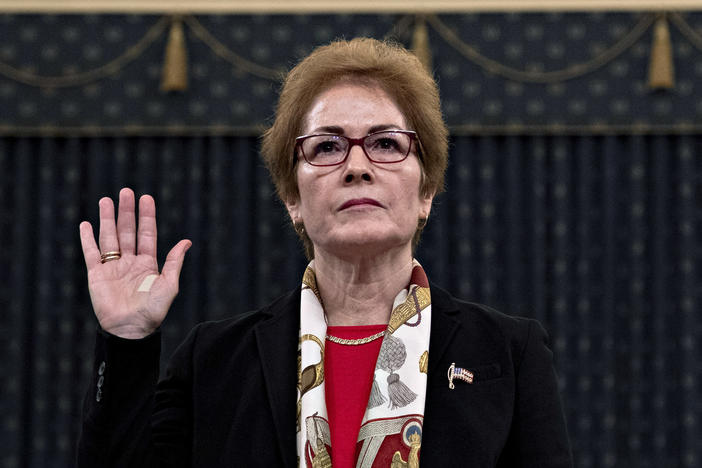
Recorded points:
393,355
392,425
376,398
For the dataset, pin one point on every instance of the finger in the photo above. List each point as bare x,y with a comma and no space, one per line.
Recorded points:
91,253
108,230
146,233
174,261
126,223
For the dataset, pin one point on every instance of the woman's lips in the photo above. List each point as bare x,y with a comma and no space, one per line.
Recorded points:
360,201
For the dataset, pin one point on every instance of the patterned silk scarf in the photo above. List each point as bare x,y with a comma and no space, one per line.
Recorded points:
391,430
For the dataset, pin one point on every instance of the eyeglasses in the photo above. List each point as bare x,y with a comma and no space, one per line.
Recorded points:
328,149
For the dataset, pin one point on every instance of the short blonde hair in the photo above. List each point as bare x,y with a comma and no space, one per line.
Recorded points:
394,69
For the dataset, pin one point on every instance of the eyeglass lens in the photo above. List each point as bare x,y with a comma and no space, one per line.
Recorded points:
380,147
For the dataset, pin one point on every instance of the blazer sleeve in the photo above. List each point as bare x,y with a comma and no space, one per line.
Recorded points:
126,421
538,437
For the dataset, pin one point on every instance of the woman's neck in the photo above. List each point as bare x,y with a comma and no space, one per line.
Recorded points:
361,291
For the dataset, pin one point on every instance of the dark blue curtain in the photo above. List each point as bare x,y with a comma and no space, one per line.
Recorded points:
599,238
596,236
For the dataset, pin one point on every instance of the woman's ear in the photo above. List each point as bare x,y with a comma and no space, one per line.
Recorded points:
425,205
293,207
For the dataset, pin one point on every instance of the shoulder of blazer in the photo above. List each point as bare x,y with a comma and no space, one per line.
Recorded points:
443,301
483,322
282,314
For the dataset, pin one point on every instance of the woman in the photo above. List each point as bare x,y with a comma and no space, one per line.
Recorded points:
389,369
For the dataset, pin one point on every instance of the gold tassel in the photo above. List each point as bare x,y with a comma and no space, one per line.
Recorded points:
175,62
420,43
660,68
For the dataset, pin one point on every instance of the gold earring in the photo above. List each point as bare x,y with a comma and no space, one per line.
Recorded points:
299,228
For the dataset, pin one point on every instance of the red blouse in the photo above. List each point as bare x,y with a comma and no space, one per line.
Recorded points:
348,377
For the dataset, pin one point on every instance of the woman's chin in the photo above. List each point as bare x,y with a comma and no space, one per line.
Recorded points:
365,244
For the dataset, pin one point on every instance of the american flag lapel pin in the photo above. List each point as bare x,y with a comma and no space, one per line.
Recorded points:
458,373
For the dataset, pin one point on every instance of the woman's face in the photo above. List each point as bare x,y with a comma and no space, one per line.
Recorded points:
358,207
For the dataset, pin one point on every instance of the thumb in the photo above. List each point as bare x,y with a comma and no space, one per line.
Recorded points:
174,260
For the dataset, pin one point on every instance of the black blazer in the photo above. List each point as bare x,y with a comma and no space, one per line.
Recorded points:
228,395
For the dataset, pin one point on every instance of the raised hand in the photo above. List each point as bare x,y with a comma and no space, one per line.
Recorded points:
130,298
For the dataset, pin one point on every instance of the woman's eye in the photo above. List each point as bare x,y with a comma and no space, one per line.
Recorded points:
386,144
326,147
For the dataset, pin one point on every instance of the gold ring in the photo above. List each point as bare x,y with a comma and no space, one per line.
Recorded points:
107,256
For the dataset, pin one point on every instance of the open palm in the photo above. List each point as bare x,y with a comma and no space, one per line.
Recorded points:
129,295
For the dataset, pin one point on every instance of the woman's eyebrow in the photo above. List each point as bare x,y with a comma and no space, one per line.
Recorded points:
335,129
381,127
328,129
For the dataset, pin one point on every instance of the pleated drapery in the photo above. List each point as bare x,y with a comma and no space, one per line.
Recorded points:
599,238
596,236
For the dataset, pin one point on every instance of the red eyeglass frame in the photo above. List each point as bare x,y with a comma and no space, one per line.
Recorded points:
358,142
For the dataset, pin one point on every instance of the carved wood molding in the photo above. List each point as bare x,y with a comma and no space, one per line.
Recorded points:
326,6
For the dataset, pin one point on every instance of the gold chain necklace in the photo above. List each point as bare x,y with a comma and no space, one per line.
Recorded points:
355,342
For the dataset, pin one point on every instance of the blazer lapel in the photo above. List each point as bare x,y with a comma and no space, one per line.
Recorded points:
443,331
443,326
277,344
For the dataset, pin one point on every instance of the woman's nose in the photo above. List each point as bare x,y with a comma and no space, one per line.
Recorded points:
357,166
